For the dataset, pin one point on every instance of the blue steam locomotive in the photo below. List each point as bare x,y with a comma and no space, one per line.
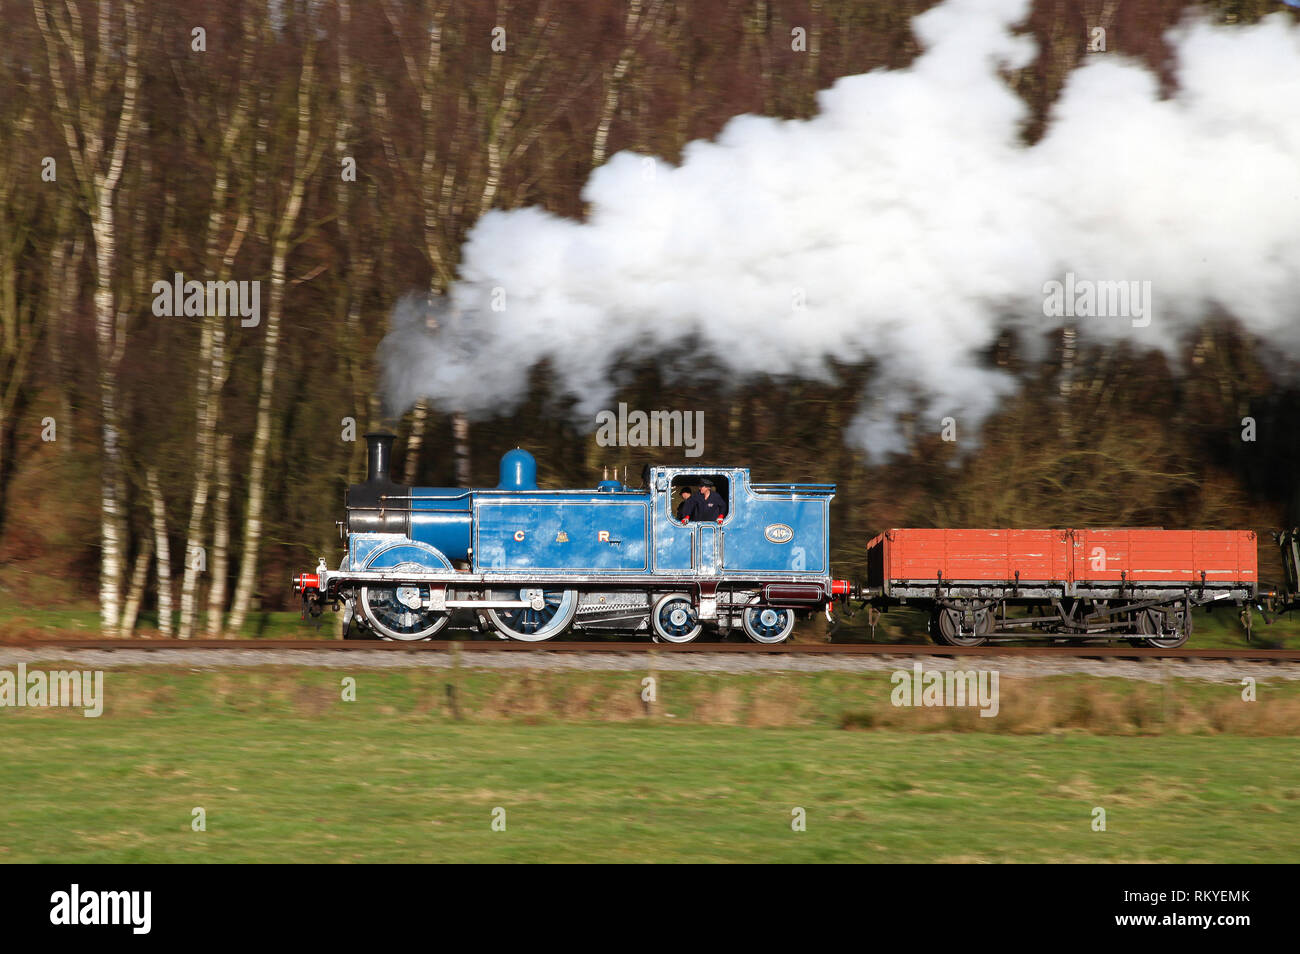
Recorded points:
531,564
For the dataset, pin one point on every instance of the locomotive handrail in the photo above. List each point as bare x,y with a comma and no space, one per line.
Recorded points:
434,510
493,490
813,489
459,496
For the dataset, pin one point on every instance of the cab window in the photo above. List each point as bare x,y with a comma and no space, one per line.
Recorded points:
687,493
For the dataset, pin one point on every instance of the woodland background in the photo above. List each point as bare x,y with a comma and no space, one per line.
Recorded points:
181,436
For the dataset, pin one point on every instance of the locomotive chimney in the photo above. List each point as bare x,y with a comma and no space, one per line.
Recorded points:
380,445
378,505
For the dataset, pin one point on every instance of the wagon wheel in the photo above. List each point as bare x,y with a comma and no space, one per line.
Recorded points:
768,625
674,619
533,625
955,627
1151,625
398,612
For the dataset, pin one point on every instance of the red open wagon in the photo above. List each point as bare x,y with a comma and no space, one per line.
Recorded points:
1096,583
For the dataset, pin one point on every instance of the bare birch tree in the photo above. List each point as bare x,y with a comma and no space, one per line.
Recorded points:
98,158
220,563
162,550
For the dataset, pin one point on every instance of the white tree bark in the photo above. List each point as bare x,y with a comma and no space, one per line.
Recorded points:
162,550
65,268
135,591
219,566
414,443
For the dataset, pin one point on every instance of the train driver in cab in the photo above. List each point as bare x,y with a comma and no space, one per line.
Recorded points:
708,505
685,505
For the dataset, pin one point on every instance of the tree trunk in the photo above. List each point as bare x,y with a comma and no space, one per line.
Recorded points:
460,440
135,592
252,540
414,443
112,529
162,549
65,269
220,567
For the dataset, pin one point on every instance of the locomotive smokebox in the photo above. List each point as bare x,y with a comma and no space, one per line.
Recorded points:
379,505
380,445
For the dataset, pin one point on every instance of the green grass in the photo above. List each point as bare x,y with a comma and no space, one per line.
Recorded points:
287,772
83,621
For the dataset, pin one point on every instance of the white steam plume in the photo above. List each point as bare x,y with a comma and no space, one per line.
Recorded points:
912,221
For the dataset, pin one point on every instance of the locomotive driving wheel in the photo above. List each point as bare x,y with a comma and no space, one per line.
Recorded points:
674,619
767,624
950,626
398,612
533,623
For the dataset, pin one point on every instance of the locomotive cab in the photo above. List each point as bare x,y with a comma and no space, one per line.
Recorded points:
767,529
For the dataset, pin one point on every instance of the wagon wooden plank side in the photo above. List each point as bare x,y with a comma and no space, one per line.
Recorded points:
1144,556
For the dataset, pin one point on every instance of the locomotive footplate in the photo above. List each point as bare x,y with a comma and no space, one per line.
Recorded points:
331,581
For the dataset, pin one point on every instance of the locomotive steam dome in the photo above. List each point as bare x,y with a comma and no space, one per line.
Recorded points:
518,470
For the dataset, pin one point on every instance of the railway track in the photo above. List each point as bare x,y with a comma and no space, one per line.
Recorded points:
784,649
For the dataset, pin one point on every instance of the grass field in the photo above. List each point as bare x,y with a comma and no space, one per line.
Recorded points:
285,771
